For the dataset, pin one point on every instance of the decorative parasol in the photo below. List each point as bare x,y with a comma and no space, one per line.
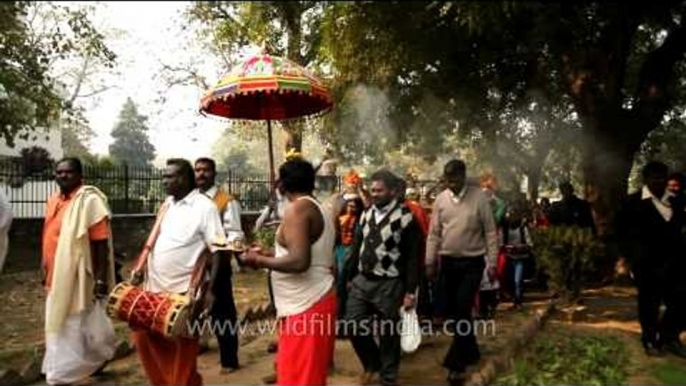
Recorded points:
266,87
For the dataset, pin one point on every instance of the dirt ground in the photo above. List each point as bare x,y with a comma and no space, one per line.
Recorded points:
422,367
608,311
22,333
23,311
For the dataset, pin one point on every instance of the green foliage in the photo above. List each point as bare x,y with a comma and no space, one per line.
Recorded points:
29,97
670,374
238,161
240,155
266,236
36,160
570,360
234,25
569,256
75,138
530,88
667,144
131,144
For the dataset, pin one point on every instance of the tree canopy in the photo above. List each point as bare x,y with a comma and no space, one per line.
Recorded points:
131,144
30,96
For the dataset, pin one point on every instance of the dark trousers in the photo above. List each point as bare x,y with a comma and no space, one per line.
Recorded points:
654,288
374,306
224,313
425,300
461,278
488,303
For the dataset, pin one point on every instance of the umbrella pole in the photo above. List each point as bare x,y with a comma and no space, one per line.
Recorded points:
271,156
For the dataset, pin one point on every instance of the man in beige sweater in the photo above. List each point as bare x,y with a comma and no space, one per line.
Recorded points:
462,241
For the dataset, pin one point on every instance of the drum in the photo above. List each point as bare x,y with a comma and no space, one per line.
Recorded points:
163,314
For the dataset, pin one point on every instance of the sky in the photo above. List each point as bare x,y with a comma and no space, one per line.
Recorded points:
152,34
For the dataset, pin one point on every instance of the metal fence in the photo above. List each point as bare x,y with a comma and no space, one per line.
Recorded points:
130,190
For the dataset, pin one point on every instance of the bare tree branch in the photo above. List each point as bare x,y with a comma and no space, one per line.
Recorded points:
80,77
190,75
98,91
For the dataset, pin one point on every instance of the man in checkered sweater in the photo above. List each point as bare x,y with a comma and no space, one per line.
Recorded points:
382,274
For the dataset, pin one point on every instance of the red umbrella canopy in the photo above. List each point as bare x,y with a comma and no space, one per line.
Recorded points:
266,87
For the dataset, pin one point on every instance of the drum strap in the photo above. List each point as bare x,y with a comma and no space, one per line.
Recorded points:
152,238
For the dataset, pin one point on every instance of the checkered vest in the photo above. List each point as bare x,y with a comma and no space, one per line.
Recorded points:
380,250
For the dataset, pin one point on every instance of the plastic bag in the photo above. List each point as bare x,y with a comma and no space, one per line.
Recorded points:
410,331
99,332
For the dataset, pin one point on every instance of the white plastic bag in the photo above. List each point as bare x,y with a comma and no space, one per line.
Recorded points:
99,332
410,330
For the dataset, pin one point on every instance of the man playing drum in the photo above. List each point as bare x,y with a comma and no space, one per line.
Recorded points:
189,225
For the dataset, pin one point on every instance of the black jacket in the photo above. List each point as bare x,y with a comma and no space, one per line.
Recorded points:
572,212
646,240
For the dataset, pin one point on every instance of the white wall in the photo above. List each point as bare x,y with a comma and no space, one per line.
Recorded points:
37,192
50,141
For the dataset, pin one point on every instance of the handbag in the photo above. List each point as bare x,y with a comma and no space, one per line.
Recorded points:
167,314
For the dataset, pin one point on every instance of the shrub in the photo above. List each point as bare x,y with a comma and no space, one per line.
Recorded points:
568,256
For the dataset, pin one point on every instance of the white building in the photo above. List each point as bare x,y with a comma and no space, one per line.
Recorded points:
50,140
28,198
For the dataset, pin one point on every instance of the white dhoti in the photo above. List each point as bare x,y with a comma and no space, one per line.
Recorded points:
84,344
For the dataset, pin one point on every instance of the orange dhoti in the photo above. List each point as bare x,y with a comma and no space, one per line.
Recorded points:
167,361
306,344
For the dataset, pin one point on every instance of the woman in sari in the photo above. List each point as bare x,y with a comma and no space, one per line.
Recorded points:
348,220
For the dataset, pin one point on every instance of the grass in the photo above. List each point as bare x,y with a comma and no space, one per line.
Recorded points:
564,358
670,374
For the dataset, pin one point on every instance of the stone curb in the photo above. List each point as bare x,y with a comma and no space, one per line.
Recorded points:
493,366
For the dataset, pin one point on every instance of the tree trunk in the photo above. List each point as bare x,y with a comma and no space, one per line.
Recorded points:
292,15
607,164
533,183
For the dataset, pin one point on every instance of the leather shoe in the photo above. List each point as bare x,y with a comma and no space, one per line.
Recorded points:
675,347
652,350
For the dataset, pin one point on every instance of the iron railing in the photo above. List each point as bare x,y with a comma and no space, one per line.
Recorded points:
130,190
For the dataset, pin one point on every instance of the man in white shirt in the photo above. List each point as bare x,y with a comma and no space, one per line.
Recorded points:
224,307
190,227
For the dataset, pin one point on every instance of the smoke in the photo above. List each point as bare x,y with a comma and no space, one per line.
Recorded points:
363,123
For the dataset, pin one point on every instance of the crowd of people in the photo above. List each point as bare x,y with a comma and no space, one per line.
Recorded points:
362,256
